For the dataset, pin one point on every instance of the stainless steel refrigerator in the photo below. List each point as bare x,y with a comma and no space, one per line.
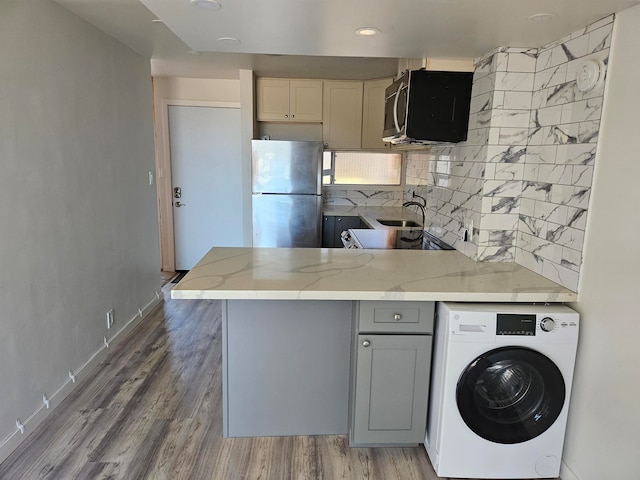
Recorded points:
286,181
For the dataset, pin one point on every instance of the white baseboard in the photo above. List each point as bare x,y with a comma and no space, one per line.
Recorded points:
566,473
9,444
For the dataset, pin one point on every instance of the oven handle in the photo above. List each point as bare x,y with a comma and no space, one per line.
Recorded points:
395,107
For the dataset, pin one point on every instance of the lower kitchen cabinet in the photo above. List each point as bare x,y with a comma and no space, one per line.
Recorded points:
391,390
286,367
391,370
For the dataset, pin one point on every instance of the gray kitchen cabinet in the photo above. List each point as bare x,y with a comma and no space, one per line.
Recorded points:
286,367
391,368
333,226
396,317
328,232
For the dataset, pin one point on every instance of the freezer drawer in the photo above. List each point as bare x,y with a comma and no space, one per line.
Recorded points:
287,220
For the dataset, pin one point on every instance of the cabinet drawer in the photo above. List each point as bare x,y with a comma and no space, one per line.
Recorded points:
396,317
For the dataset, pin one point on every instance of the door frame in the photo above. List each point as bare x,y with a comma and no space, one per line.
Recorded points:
163,176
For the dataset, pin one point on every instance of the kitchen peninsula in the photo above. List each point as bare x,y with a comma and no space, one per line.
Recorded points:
293,325
341,274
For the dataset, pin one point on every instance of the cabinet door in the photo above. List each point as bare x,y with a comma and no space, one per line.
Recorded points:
342,114
305,100
373,113
391,389
273,99
328,236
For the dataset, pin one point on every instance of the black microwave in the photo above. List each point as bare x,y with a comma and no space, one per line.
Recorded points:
425,106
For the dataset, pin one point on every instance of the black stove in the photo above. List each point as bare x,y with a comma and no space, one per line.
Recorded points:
412,239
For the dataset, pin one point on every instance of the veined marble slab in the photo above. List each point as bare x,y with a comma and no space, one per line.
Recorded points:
370,215
343,274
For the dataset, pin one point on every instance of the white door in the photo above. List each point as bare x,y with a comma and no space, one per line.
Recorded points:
206,168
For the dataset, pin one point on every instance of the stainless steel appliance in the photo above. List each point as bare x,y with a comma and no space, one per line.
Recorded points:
287,193
427,106
412,239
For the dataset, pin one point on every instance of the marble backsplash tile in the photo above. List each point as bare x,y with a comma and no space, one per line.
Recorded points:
362,197
521,182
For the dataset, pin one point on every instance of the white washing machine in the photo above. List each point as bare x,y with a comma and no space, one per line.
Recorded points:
501,383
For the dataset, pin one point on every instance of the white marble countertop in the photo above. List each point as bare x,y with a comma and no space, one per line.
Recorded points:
370,215
344,274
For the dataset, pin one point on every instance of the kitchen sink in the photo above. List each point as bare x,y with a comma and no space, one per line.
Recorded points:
398,223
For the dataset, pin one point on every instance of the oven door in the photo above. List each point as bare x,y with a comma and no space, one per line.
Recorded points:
510,394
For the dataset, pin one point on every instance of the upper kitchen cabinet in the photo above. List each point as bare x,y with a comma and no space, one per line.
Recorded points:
373,113
285,100
342,114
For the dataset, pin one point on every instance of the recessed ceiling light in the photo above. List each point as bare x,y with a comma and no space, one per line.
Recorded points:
229,41
542,17
156,20
367,31
194,52
206,4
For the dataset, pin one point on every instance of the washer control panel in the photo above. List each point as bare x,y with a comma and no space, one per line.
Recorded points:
521,323
515,324
529,324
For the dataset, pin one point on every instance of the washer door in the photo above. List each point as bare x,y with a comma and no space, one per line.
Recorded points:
510,394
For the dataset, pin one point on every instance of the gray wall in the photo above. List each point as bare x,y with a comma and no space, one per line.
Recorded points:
78,218
602,438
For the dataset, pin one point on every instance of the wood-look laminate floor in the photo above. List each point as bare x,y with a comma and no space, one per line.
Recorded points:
153,410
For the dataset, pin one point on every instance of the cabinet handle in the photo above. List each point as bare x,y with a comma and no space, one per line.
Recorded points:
292,115
366,343
397,317
286,115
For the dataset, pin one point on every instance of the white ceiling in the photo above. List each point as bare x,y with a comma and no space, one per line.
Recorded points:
316,38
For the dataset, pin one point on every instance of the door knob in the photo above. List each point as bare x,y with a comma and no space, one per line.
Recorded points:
180,204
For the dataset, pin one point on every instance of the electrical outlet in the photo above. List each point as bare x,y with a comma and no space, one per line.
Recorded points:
467,231
110,319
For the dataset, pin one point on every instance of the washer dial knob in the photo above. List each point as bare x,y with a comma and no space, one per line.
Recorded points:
547,324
